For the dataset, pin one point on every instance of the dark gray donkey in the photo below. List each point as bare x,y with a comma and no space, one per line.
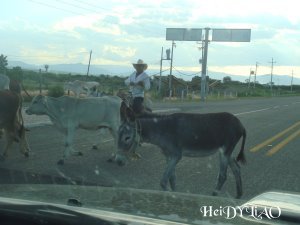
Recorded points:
184,134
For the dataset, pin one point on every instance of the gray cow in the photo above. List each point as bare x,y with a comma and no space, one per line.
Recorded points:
69,113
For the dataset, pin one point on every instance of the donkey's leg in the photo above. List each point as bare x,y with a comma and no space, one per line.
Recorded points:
235,168
172,180
169,174
116,156
222,172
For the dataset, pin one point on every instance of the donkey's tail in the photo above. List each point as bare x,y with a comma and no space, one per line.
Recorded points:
241,155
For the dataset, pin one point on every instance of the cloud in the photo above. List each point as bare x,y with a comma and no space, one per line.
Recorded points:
123,52
105,61
93,22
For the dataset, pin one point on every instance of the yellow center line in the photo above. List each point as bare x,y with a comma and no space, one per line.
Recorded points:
283,143
270,140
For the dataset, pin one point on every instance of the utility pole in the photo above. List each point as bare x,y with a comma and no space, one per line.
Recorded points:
89,65
160,71
292,81
249,81
171,68
40,72
204,65
272,65
256,65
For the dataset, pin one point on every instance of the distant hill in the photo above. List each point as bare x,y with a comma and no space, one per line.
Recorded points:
80,68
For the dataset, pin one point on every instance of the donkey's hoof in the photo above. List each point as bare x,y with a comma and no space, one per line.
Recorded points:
61,162
26,154
163,186
136,156
110,160
80,154
94,147
215,193
239,195
2,158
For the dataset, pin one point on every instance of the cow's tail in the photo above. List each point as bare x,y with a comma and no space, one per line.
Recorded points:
241,155
25,90
20,118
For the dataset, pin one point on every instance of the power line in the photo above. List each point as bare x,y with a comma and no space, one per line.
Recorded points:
92,5
158,73
185,74
77,6
52,6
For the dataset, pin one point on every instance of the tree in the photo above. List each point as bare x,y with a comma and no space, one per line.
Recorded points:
227,79
3,63
46,68
16,73
195,83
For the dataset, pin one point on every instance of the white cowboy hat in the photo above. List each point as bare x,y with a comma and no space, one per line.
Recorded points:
140,62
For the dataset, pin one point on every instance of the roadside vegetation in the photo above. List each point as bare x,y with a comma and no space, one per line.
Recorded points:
50,83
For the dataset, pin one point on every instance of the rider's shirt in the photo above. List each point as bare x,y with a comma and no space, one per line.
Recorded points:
137,90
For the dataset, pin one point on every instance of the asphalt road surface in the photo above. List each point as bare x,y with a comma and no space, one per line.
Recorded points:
272,153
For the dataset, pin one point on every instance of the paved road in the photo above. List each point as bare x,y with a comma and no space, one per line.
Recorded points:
270,165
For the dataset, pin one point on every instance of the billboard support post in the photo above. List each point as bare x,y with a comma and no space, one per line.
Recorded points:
204,65
218,35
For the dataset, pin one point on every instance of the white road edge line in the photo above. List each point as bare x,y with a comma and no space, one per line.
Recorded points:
254,111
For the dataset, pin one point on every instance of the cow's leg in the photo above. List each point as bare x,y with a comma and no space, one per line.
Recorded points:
24,147
8,143
224,160
169,174
114,133
68,145
102,133
235,168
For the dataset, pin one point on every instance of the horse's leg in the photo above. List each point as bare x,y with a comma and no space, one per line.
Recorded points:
235,168
224,160
169,174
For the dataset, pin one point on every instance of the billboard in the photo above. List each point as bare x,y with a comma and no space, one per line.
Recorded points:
231,35
183,34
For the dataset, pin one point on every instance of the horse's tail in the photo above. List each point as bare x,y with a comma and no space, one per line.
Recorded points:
241,155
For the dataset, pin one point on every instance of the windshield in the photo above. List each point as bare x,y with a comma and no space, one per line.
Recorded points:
201,98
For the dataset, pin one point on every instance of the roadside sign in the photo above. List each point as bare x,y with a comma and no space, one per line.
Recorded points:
183,34
231,35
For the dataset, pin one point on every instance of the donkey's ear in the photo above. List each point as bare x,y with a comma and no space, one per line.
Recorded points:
127,113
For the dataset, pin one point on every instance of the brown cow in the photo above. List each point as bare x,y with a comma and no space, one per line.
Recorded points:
15,86
11,121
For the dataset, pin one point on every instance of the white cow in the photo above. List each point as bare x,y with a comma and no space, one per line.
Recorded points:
69,113
81,87
4,82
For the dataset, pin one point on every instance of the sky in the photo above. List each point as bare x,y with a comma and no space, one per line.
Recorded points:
121,32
